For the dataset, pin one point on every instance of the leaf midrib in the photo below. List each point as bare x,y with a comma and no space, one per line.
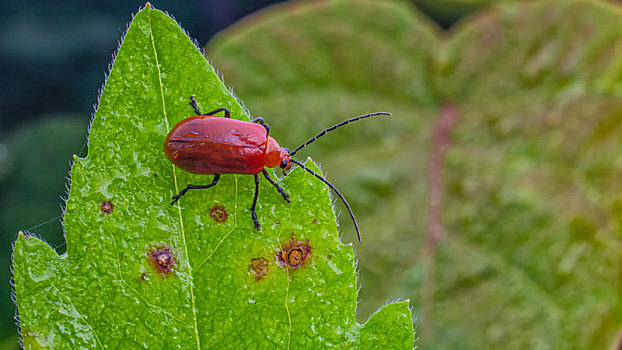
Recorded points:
181,222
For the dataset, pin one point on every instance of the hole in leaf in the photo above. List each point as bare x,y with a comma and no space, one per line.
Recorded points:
295,254
106,207
162,259
218,213
259,267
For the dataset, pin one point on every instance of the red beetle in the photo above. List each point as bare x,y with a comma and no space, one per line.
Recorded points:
209,145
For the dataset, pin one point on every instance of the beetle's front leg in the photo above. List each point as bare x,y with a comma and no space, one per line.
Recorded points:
278,188
253,213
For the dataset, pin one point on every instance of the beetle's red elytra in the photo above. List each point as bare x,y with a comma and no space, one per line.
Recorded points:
210,145
214,145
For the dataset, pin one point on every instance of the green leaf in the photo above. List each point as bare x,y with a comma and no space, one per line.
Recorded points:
528,256
33,170
226,287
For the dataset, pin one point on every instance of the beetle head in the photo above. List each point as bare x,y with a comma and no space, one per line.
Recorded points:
277,155
286,161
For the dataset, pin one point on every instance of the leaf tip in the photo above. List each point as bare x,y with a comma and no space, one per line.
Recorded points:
29,246
23,237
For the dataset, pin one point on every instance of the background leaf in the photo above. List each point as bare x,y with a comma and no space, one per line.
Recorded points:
106,292
528,255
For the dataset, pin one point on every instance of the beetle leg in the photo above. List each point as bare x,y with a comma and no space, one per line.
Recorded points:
193,103
278,188
227,114
195,187
260,121
254,214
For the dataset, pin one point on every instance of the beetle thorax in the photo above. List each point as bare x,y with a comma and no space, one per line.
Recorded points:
275,154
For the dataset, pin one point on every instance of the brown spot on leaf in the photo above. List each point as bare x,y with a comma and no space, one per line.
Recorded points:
295,257
259,267
219,213
316,222
106,207
295,254
144,276
162,259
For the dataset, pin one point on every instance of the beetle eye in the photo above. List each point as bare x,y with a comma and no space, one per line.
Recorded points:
286,149
283,164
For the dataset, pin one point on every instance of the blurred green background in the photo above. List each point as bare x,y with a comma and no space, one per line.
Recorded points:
510,110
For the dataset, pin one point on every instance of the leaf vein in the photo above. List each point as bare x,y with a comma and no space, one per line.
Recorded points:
388,334
181,222
289,317
80,316
235,226
123,281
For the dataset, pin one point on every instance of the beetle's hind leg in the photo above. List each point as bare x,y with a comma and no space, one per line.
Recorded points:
195,187
253,213
260,121
278,188
227,114
193,103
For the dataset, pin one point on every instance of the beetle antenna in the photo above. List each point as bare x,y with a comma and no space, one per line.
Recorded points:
356,226
335,127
